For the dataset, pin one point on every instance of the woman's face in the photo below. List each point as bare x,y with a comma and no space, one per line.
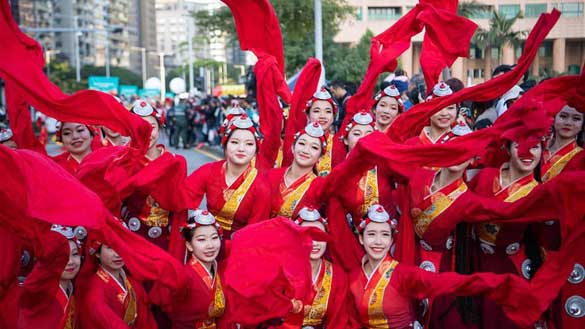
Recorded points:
155,133
319,247
443,119
525,164
322,112
205,244
109,259
356,133
386,111
72,267
377,240
307,150
240,147
568,123
76,138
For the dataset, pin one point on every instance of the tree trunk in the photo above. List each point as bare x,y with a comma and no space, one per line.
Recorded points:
488,63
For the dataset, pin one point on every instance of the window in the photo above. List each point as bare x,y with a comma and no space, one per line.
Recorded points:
481,12
384,13
574,9
509,11
359,15
535,9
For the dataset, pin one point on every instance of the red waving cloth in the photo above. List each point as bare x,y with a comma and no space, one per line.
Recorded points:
20,122
411,123
297,119
34,187
270,85
20,58
258,28
259,282
447,37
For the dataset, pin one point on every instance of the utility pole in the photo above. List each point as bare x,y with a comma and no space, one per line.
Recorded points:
162,76
107,52
190,52
318,31
77,59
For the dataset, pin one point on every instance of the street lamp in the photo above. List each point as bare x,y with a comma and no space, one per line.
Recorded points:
113,29
143,54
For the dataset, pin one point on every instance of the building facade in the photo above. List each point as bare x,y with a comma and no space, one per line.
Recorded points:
563,51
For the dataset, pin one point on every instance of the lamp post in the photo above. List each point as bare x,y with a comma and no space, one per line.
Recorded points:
143,58
162,76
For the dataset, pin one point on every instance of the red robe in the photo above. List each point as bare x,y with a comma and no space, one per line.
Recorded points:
424,138
68,162
234,206
288,200
569,158
43,303
156,224
384,300
109,304
329,307
500,246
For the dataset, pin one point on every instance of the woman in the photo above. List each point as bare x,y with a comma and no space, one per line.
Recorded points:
77,140
329,306
439,131
297,185
112,138
141,211
387,107
232,186
502,248
47,299
565,154
564,151
384,290
201,302
111,297
321,108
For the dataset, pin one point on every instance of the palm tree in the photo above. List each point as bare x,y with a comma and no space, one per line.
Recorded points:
499,35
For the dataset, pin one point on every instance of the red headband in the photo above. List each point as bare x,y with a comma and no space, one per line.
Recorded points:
377,214
361,118
322,95
314,130
310,214
391,91
240,122
143,109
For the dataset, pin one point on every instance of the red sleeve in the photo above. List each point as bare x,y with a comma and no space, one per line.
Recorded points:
261,210
95,311
10,251
344,247
177,246
337,312
196,183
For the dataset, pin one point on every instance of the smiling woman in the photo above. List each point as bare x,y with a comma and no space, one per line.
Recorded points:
76,139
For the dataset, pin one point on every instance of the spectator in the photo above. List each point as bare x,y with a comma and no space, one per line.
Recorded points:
341,95
400,80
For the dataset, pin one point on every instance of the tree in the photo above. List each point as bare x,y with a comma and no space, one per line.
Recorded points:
296,23
498,35
348,63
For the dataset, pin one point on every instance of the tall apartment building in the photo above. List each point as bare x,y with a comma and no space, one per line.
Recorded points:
143,29
563,50
173,20
135,19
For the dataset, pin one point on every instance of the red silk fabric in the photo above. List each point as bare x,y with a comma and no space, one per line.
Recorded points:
21,62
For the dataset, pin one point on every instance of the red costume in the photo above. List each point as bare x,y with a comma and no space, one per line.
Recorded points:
143,215
68,162
288,200
108,303
500,246
567,158
234,206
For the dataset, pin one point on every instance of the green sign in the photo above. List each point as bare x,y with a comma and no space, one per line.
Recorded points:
128,91
149,93
105,84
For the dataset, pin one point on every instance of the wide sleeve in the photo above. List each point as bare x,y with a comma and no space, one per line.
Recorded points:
260,210
337,310
95,311
344,248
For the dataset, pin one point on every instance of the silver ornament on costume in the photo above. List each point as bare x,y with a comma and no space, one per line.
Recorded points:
377,213
577,275
442,89
154,232
134,224
80,232
526,268
314,130
575,306
512,248
428,266
363,118
66,231
5,134
309,214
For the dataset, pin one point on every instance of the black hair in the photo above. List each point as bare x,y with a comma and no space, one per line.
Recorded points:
580,138
532,250
503,68
338,84
455,84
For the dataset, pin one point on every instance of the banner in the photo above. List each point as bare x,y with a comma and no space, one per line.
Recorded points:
105,84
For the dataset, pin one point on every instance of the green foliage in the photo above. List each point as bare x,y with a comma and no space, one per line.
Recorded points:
354,60
297,26
63,75
499,32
